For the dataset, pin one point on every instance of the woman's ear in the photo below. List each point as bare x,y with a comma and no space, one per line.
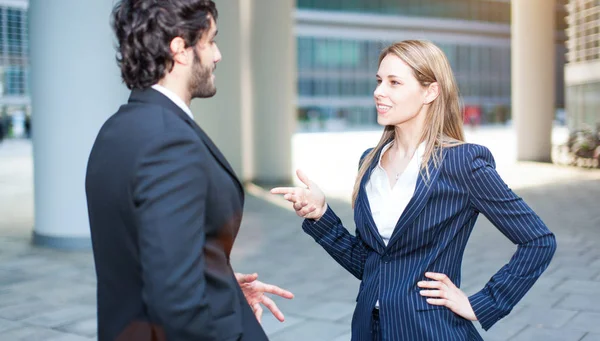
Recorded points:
433,91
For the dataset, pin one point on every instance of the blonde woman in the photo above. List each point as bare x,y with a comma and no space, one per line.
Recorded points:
416,198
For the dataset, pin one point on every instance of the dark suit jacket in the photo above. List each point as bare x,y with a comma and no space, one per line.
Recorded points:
164,208
431,235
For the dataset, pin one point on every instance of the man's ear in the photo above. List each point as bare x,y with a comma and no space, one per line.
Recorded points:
433,91
179,51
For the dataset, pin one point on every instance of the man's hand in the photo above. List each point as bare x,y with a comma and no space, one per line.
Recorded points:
254,291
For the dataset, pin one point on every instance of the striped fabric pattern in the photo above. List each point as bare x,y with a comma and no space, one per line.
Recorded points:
431,235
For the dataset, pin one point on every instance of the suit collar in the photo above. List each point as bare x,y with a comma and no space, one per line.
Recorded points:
153,96
174,98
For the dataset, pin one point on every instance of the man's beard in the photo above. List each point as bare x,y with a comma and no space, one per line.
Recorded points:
201,85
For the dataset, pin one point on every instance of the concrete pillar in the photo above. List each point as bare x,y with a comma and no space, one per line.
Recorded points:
533,77
274,67
251,118
75,87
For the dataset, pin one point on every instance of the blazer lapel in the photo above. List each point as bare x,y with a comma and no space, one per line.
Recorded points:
364,205
417,203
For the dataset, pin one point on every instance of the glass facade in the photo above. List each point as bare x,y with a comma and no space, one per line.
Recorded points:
14,61
336,72
492,11
583,90
583,106
583,31
14,67
488,11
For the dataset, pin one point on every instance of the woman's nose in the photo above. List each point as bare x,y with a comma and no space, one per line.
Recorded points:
378,91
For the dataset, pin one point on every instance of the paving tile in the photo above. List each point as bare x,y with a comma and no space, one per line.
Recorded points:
545,318
585,321
311,330
574,286
61,316
541,298
572,272
535,334
34,333
591,337
272,326
328,311
9,298
579,303
86,327
69,337
504,329
25,310
6,325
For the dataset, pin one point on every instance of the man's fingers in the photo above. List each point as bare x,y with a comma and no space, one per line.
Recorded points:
246,278
273,308
275,290
257,311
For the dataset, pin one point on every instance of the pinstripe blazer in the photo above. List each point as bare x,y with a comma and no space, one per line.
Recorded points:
431,235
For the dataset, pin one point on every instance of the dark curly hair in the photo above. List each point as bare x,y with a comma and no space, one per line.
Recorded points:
145,29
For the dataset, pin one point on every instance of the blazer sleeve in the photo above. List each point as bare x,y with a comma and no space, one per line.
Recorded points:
348,250
513,217
170,192
329,232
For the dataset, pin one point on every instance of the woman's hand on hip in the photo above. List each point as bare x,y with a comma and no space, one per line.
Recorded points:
441,291
308,202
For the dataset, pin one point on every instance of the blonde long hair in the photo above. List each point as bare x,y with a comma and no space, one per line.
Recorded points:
443,123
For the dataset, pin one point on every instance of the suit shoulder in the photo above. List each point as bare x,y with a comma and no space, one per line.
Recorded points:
362,157
144,117
364,154
466,156
466,152
149,120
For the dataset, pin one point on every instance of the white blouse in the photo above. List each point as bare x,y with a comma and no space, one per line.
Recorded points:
387,204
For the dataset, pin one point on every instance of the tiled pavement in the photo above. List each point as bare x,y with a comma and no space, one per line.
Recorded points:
50,295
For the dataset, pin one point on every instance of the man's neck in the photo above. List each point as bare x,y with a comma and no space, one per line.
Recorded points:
177,88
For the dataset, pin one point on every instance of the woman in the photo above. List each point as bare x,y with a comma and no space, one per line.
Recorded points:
416,198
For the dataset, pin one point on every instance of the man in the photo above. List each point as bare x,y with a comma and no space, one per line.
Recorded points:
164,204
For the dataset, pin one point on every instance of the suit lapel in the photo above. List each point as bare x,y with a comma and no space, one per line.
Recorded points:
417,203
153,96
216,153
